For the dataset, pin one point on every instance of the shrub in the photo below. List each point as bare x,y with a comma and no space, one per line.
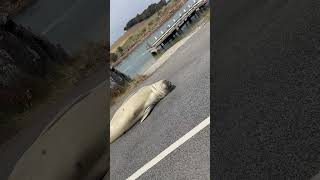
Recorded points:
120,50
150,23
113,57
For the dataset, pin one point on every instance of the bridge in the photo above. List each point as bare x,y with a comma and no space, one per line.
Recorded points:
176,26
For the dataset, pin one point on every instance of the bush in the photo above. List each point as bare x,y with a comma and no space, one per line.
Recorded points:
150,23
113,57
120,50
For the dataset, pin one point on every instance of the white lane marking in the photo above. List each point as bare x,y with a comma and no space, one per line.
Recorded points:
59,20
171,148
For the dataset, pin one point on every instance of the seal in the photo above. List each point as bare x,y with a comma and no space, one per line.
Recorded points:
138,107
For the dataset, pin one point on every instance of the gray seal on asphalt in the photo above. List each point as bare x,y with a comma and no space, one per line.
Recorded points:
138,107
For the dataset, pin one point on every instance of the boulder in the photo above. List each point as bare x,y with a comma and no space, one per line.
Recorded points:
118,81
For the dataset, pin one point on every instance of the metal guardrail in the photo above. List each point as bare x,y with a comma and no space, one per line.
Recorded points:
177,23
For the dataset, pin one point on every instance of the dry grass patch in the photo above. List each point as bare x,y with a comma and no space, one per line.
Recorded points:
130,86
139,32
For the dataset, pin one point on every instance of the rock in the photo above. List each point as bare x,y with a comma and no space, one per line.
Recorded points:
118,81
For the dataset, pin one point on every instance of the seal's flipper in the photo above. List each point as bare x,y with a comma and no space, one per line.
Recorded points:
146,113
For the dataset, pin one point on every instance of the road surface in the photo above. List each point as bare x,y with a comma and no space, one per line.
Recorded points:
70,23
70,146
183,109
13,149
266,74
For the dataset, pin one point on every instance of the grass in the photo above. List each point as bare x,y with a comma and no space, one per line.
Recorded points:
134,83
121,40
136,34
84,62
207,14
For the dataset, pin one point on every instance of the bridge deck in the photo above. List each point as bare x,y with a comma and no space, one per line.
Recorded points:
177,24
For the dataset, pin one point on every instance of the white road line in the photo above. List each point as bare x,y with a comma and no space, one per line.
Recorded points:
171,148
59,20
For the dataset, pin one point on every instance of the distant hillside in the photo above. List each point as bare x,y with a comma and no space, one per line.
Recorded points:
152,9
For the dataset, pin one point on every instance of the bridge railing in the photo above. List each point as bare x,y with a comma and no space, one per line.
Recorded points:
177,23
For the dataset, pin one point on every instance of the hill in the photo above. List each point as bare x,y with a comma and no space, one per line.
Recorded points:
151,9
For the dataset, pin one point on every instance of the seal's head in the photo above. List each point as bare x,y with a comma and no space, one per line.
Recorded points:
163,87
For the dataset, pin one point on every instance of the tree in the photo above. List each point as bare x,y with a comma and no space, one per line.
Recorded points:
151,9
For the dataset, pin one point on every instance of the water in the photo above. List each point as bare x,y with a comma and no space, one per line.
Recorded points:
140,58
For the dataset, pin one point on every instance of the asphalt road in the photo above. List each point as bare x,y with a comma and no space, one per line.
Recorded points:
174,116
266,79
71,146
12,150
71,23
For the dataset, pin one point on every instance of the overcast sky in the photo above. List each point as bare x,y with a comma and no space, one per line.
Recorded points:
121,11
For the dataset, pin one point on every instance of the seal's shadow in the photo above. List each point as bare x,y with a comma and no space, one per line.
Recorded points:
172,88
